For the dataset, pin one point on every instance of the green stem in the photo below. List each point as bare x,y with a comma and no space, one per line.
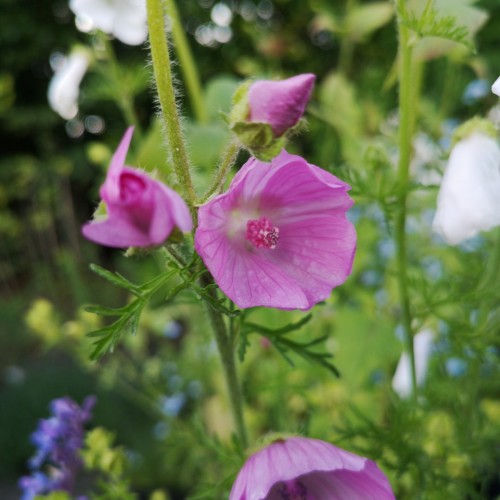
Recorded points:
488,280
406,126
225,165
187,64
226,350
166,94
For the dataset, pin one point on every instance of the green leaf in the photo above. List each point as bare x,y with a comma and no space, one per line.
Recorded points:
284,344
218,94
106,311
454,22
129,315
340,108
115,278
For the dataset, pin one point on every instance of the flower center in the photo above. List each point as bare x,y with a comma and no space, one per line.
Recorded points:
131,186
293,490
262,233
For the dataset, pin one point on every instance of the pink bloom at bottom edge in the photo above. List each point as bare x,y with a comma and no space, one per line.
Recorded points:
141,211
299,468
279,236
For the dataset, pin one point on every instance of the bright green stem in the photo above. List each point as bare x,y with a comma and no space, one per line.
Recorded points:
187,64
164,83
406,126
225,165
226,350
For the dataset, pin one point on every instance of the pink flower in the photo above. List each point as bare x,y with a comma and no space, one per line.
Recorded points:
309,469
280,103
141,211
279,236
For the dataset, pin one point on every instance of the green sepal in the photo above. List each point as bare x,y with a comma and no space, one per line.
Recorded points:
240,108
476,124
258,139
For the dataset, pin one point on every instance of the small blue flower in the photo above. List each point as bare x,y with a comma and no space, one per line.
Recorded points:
58,440
475,90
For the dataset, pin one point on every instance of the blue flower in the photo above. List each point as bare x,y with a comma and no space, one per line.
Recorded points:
58,441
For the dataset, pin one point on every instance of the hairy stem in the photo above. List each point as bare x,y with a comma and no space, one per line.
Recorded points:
187,63
406,126
223,169
226,350
166,94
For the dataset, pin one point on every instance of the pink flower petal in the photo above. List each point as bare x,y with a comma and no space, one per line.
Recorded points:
315,249
141,211
323,471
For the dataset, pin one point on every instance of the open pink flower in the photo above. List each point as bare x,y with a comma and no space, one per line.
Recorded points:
141,211
280,103
309,469
279,236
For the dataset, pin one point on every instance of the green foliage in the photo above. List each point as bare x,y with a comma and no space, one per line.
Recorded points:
442,446
283,343
431,23
110,462
129,315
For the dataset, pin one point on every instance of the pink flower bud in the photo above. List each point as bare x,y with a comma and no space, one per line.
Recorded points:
280,103
141,211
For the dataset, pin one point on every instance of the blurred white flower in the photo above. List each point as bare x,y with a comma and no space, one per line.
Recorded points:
495,88
469,196
422,346
125,19
65,84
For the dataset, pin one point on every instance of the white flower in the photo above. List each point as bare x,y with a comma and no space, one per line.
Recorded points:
495,88
125,19
65,84
469,197
422,345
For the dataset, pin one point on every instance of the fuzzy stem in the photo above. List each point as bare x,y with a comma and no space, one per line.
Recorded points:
230,155
406,126
187,64
164,83
226,351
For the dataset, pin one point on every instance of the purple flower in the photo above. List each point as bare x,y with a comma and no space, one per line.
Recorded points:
141,211
279,236
309,469
58,440
280,103
36,484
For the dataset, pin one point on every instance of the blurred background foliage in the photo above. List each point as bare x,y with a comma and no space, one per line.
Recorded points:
160,392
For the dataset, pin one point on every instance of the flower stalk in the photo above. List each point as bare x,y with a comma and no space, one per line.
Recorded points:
164,82
187,64
406,126
225,345
228,160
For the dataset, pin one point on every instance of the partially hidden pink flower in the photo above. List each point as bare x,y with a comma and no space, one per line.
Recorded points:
280,103
279,236
141,211
309,469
